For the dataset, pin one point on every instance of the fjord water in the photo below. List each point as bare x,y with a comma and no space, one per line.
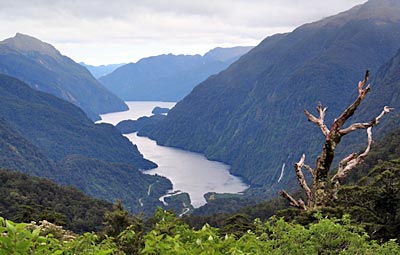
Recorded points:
189,172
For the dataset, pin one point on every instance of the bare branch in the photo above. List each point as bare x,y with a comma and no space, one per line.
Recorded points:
386,109
302,180
372,123
351,161
344,161
323,190
299,204
370,141
361,84
286,195
309,168
319,121
339,122
302,204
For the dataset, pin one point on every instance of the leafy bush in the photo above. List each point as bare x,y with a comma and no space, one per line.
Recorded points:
18,238
275,236
173,237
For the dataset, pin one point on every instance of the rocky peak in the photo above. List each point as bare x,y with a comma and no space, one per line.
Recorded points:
26,44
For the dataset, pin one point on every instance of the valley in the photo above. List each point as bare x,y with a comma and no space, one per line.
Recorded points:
189,172
208,127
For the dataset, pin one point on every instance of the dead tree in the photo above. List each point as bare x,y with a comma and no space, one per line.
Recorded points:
323,189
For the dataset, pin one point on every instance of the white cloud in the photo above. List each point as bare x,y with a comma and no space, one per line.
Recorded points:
103,31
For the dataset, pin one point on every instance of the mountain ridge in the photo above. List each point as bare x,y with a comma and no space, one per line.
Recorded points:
251,114
42,66
101,70
168,77
27,44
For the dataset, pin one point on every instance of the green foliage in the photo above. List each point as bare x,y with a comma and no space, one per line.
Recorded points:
375,202
372,204
17,239
326,236
24,198
90,244
117,220
169,235
127,230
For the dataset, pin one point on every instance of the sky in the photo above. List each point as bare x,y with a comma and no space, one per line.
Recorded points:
121,31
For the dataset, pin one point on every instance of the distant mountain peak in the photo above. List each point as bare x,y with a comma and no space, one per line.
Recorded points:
41,66
25,43
168,77
225,54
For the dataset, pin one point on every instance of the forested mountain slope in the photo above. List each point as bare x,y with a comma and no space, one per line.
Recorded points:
26,198
251,114
48,137
59,128
16,152
42,67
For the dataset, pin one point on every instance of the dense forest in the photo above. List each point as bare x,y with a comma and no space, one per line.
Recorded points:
44,136
24,199
365,220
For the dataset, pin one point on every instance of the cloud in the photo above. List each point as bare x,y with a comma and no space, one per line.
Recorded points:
177,25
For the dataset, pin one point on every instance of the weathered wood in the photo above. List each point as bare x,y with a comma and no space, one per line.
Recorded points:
351,161
299,204
324,190
372,123
319,121
339,122
302,181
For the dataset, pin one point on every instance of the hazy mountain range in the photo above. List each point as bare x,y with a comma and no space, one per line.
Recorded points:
168,77
251,114
101,70
42,67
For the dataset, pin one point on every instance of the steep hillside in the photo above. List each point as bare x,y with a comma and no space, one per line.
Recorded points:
59,128
385,92
26,198
251,114
16,152
168,77
45,136
139,192
42,67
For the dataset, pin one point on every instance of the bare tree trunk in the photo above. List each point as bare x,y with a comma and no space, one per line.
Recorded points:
324,190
